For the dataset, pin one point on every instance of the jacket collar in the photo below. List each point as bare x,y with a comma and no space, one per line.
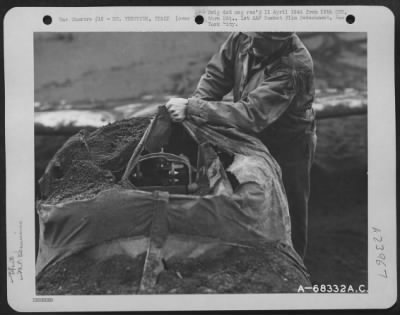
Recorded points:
263,62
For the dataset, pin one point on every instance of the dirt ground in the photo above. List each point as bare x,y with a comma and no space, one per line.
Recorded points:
338,213
338,239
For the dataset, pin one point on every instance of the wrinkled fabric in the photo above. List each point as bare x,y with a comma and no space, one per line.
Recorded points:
119,213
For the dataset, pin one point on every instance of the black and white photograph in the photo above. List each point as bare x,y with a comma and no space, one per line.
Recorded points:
200,158
201,162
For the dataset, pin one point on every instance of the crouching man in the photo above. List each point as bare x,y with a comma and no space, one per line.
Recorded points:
271,78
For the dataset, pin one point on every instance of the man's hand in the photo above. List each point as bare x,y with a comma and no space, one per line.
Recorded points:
177,109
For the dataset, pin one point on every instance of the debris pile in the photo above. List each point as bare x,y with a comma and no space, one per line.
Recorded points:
90,162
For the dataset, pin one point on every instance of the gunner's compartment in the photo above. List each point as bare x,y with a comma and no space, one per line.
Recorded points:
179,164
173,168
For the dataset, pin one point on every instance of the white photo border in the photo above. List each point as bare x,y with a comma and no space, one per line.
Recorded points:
19,26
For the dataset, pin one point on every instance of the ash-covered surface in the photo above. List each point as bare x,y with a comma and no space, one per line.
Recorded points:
90,162
80,275
262,269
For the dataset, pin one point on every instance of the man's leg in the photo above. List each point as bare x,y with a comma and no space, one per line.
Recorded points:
296,179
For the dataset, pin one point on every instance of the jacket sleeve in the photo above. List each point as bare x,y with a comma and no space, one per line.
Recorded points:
217,80
256,111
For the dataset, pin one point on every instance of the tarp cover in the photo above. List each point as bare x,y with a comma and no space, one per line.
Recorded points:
256,210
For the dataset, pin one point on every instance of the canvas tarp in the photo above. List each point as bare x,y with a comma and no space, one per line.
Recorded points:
256,210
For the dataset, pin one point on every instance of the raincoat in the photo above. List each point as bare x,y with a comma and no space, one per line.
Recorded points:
272,100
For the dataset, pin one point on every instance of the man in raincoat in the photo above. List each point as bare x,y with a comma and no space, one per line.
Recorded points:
271,79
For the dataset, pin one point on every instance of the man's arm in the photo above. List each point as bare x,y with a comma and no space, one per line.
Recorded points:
253,113
217,80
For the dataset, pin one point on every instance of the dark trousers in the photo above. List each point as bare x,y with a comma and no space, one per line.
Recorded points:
295,157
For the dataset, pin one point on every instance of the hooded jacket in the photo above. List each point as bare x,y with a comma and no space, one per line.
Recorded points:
272,96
